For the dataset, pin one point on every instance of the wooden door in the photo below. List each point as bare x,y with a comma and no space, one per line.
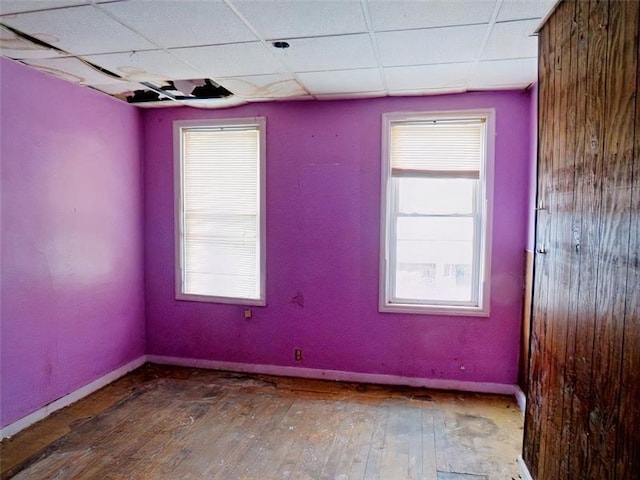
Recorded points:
583,404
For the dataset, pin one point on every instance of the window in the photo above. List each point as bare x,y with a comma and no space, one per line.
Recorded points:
220,230
436,209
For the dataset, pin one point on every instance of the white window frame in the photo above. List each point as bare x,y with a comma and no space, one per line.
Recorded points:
481,308
178,128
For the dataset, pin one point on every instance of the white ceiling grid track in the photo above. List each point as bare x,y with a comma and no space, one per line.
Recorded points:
220,53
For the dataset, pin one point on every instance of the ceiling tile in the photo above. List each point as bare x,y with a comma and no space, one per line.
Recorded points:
283,99
328,53
182,23
159,104
342,81
17,6
395,15
290,19
428,46
517,73
80,30
512,40
72,69
426,91
422,77
212,102
524,9
119,88
263,86
238,59
14,46
145,66
343,96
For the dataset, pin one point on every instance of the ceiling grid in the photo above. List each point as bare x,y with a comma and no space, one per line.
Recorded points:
157,53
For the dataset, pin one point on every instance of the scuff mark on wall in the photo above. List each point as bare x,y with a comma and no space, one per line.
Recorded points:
298,300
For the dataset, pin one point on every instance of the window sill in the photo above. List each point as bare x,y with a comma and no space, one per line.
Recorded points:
444,310
226,300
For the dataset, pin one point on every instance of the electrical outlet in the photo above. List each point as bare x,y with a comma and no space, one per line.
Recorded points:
248,314
298,355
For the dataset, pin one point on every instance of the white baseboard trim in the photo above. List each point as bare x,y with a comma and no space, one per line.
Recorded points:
521,398
434,383
70,398
523,470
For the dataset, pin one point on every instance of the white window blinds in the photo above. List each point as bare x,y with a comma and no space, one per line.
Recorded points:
439,148
220,212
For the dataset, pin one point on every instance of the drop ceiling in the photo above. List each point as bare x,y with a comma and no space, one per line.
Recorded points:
163,49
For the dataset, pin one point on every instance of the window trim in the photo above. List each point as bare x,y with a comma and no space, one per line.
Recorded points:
486,211
178,127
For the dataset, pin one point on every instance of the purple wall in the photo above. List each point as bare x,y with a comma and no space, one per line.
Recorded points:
323,231
72,286
72,275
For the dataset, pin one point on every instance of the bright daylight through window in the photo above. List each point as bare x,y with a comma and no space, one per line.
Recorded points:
220,234
436,192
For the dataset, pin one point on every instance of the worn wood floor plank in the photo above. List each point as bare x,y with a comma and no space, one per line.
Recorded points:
372,469
394,462
429,467
352,460
335,444
321,440
257,457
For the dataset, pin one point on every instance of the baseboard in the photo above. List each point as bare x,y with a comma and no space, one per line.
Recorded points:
523,470
434,383
70,398
521,398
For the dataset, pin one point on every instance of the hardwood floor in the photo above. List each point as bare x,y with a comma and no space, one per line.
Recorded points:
180,423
